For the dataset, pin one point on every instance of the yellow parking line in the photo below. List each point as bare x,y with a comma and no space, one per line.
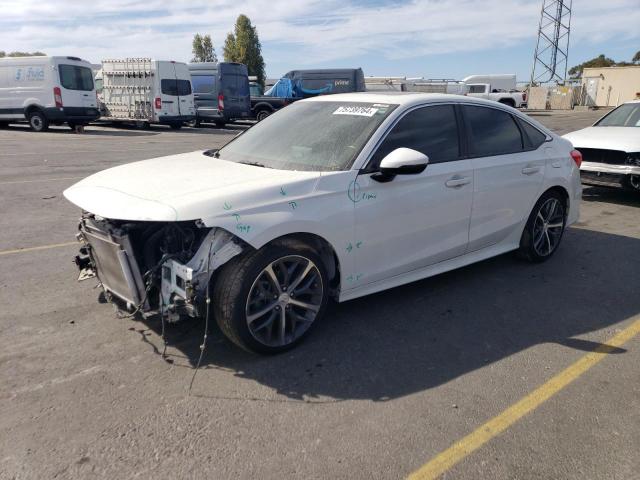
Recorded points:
461,449
40,180
41,247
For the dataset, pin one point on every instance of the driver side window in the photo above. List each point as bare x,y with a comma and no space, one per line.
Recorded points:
431,130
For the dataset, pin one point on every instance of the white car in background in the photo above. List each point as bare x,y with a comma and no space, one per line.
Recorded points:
611,148
337,196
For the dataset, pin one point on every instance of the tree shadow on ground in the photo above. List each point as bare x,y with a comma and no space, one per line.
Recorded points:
427,333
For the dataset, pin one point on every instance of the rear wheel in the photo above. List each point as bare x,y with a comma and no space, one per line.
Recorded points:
632,182
544,229
4,124
37,121
267,301
262,114
220,124
176,126
507,101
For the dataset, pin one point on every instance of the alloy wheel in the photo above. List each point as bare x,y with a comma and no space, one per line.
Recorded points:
284,300
548,227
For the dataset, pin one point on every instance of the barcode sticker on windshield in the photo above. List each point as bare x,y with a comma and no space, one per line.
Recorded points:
356,110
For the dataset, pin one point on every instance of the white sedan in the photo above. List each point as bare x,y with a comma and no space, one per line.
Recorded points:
333,197
611,148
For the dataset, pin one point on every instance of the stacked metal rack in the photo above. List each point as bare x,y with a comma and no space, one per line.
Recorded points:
127,89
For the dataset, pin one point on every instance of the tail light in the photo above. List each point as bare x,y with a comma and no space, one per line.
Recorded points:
158,103
524,96
57,96
220,102
577,157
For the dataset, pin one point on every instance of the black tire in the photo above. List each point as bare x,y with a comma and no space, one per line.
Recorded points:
631,183
176,126
235,282
262,114
220,124
38,121
195,123
4,124
72,125
544,229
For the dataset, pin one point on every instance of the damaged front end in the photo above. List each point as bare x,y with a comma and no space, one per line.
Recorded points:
153,267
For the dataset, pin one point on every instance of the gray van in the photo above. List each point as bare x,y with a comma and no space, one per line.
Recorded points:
221,92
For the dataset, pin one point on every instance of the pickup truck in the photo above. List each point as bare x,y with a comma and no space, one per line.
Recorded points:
513,98
262,106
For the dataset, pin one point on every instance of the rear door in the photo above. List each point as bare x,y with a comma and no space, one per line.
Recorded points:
186,106
508,174
76,86
234,86
169,100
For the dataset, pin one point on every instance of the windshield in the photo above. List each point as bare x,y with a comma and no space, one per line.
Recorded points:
312,136
626,115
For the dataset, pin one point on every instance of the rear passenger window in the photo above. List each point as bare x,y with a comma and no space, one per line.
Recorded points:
536,137
430,130
492,131
173,87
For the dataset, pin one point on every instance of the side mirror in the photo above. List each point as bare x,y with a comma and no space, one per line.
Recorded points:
402,161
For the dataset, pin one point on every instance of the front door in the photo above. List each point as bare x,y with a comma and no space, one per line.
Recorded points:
414,220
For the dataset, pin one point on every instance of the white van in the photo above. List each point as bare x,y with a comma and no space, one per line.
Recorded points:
47,90
145,91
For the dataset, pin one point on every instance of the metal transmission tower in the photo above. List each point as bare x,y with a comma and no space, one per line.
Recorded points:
552,48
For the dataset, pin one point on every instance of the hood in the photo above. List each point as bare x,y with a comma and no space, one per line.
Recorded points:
626,139
181,187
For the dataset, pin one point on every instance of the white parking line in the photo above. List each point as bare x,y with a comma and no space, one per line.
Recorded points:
41,180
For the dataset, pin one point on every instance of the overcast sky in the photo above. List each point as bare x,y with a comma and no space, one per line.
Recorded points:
431,38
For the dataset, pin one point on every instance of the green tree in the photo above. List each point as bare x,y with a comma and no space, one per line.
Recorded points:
21,54
243,46
597,62
203,50
636,57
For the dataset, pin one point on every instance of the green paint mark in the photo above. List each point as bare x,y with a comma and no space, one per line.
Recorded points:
349,247
358,244
237,217
294,205
282,192
243,228
227,206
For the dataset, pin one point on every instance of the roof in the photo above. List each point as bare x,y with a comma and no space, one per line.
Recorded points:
399,98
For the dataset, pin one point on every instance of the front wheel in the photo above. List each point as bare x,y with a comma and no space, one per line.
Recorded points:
38,122
544,229
267,301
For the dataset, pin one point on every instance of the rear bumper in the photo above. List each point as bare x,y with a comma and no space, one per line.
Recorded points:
168,119
72,114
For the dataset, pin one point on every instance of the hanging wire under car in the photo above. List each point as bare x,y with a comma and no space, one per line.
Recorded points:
206,321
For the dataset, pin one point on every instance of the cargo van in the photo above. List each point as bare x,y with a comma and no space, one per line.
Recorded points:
47,90
145,91
221,92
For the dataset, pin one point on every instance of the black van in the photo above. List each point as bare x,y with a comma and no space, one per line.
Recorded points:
221,92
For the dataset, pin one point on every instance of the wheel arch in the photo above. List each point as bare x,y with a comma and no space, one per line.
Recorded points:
563,193
324,249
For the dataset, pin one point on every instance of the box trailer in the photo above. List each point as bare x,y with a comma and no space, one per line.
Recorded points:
146,91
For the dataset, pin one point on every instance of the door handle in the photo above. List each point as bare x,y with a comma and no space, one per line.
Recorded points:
455,182
530,170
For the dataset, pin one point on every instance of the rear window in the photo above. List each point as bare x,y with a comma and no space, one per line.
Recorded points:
73,77
171,86
203,83
493,131
235,85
